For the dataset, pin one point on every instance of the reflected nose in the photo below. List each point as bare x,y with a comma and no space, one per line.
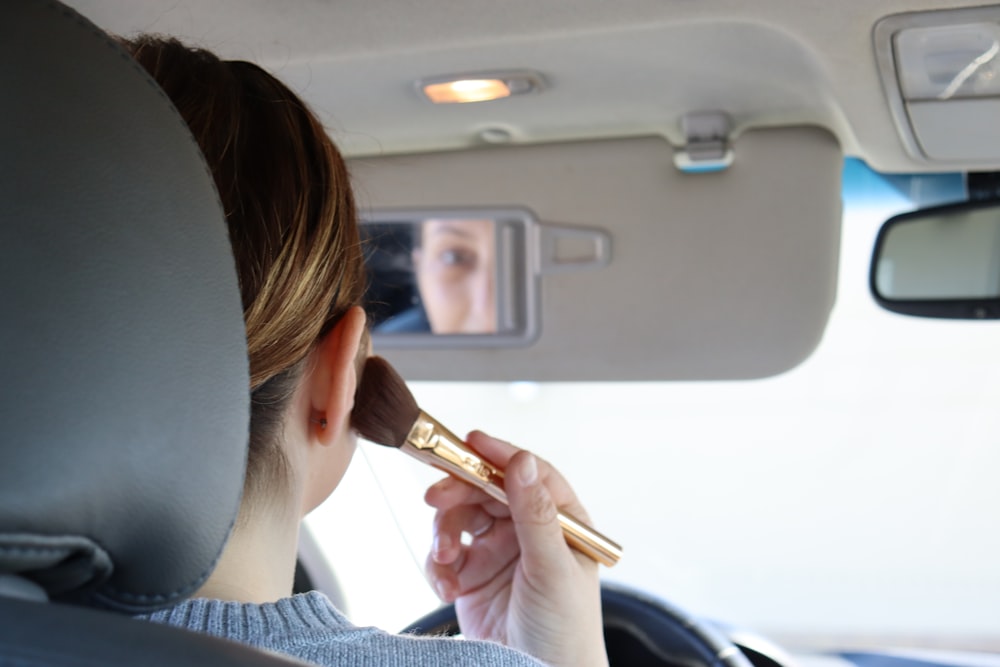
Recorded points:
484,303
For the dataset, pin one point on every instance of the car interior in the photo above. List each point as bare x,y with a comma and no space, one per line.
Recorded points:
668,196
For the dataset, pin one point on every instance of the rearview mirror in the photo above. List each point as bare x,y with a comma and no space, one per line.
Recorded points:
465,278
940,262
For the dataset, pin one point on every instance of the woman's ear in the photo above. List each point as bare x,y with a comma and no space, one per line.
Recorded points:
333,377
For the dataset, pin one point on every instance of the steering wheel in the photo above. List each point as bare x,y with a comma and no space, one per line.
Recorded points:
639,631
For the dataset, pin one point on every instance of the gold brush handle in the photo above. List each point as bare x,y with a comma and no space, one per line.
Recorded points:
588,541
435,445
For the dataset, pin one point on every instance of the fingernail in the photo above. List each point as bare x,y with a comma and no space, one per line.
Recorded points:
482,525
441,544
529,471
443,591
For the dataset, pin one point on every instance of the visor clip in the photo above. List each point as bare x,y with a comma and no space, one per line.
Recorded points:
707,146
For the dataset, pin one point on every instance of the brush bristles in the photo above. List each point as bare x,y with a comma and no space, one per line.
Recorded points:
384,408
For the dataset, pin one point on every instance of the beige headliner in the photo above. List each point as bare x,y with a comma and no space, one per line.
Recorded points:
621,68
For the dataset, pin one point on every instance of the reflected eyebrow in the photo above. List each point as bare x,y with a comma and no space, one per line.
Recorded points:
456,229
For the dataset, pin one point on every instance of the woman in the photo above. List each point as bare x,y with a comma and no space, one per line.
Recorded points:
290,210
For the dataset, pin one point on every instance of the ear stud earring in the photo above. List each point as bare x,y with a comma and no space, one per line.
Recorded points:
321,422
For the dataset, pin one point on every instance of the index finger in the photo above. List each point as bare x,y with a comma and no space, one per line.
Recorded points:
499,453
496,451
451,492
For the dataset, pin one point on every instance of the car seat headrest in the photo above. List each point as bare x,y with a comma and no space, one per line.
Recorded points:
124,408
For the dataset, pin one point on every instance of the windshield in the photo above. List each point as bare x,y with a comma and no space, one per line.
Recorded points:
849,502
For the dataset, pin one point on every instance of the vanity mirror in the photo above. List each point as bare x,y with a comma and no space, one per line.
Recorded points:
466,278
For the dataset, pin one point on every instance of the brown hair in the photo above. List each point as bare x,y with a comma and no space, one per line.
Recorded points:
291,216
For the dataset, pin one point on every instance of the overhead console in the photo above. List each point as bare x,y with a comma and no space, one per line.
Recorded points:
941,74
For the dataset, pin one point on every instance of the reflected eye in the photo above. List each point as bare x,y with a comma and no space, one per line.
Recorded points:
457,258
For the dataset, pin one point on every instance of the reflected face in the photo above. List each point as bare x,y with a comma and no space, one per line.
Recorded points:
456,266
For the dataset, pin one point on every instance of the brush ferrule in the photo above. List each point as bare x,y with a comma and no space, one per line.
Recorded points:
435,444
422,435
432,443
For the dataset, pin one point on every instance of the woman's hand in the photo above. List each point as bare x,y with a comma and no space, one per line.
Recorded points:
518,582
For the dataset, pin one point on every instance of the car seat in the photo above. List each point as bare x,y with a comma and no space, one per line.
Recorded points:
124,409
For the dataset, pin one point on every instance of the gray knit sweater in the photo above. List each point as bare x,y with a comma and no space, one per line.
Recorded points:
310,628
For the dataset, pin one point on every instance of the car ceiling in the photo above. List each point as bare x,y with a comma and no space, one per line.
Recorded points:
613,69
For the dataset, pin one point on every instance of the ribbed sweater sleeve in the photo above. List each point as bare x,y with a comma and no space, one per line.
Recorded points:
310,628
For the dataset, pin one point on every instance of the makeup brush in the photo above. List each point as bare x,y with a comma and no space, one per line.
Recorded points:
386,413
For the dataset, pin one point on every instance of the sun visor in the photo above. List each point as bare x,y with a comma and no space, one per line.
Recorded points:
728,274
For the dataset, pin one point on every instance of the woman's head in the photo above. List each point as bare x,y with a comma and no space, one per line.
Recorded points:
291,216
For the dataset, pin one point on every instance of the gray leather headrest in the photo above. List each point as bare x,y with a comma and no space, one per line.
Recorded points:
124,403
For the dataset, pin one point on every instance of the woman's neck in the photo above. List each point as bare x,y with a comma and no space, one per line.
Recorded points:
258,562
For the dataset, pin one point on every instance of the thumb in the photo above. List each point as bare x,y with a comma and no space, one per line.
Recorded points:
535,516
